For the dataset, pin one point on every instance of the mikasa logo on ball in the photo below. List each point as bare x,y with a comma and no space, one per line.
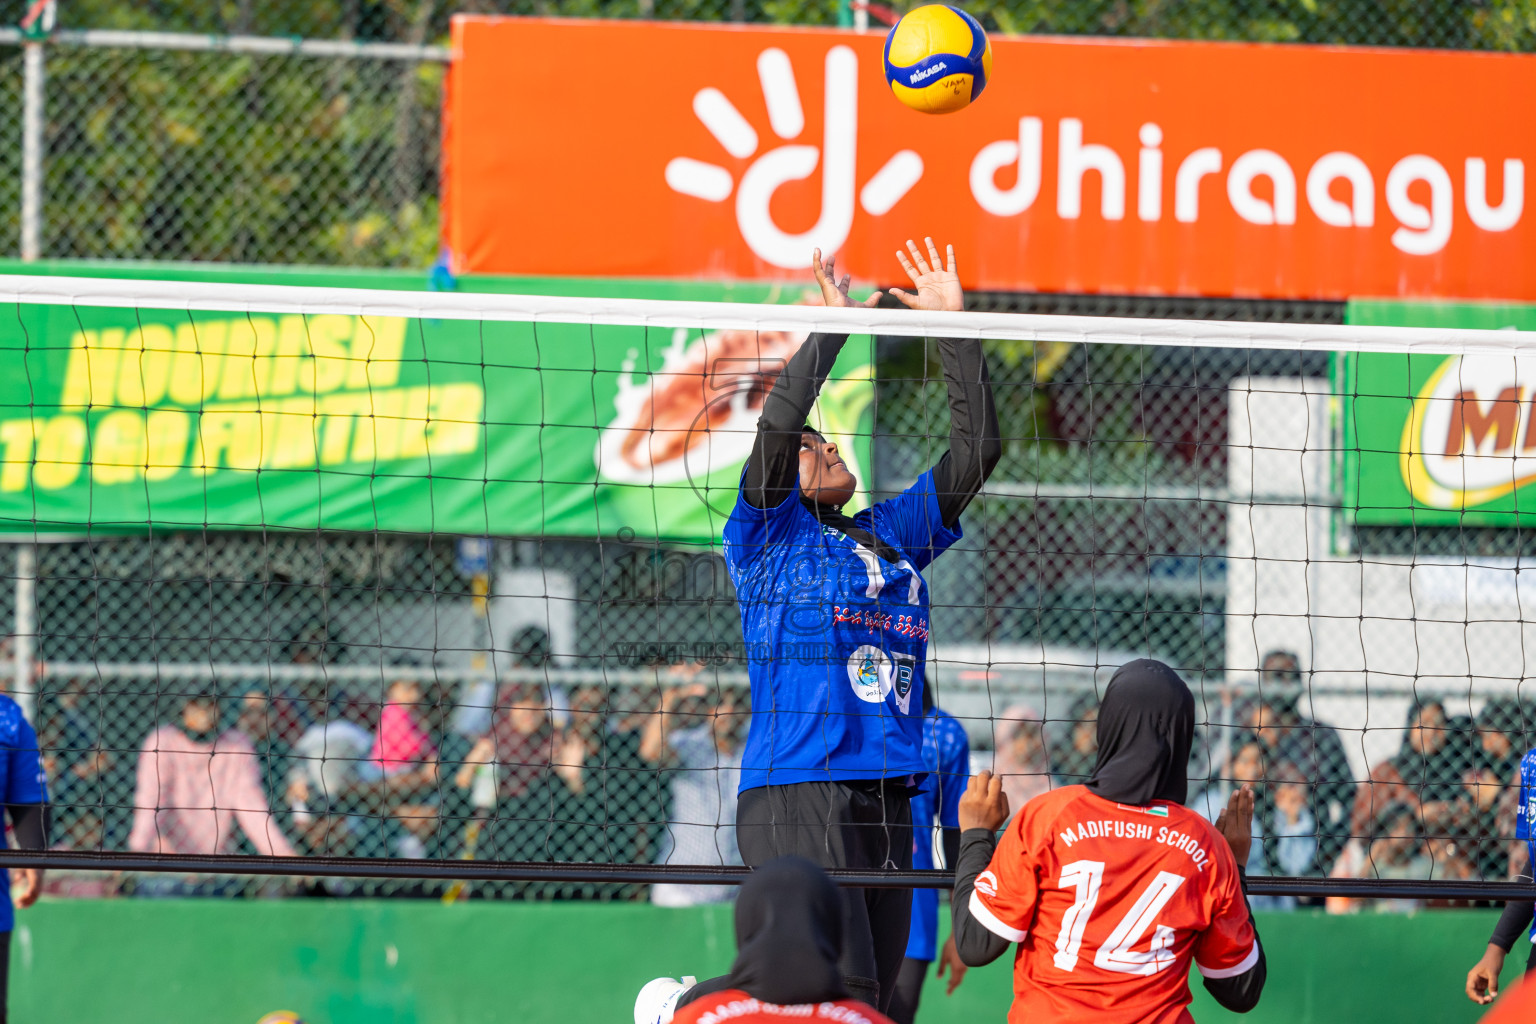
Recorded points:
928,73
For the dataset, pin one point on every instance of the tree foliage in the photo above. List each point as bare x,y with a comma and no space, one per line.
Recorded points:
157,154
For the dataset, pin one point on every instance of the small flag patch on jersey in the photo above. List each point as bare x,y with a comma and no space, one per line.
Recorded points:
1156,812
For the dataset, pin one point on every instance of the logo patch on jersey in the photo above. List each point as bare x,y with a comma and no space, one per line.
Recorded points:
906,666
986,883
869,673
1156,812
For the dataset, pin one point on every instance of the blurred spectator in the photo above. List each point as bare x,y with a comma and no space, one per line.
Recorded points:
1247,765
1314,749
195,784
471,716
705,761
271,723
520,756
325,768
73,757
1074,765
404,759
1425,775
1020,758
1392,846
1494,789
1295,845
616,800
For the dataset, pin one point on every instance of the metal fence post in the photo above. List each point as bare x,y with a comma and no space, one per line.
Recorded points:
35,29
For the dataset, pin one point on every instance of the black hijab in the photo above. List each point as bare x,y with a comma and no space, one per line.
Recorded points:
1146,727
789,934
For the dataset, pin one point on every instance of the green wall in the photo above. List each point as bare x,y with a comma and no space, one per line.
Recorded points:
402,962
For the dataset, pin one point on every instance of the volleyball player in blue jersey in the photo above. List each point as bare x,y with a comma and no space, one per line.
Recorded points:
834,611
23,790
947,753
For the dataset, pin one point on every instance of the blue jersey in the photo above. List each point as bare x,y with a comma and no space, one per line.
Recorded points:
836,637
21,780
947,753
1525,820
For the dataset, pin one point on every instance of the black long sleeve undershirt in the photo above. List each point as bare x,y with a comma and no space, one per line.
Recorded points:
30,822
773,469
1512,924
977,945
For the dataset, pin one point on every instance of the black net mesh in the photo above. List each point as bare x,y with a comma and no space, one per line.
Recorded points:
580,704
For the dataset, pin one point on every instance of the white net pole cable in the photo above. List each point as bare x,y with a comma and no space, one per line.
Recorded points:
1092,330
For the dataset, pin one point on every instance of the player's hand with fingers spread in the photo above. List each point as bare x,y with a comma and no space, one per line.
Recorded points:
834,292
938,286
984,804
949,957
1235,823
1483,978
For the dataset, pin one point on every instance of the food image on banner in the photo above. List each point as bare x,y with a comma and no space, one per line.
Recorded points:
692,422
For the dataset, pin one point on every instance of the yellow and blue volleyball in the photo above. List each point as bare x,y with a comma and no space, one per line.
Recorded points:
281,1017
937,59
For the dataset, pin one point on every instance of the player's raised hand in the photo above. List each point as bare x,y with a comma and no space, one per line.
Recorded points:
938,286
984,804
1483,978
1235,823
834,292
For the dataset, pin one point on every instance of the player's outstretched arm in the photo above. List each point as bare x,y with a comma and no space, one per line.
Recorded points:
773,469
975,444
1483,978
983,810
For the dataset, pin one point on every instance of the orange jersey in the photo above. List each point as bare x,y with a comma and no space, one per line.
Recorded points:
1109,903
734,1006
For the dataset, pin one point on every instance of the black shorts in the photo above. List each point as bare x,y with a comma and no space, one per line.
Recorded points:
862,825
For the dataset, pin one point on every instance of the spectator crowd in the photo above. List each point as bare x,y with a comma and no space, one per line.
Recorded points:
648,774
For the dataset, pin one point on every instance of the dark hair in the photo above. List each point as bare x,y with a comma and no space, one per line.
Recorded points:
1291,674
531,648
1505,715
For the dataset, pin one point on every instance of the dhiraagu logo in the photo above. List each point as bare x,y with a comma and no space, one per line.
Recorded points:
156,401
1470,437
837,157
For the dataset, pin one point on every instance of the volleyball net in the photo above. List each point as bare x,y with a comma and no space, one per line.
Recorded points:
419,591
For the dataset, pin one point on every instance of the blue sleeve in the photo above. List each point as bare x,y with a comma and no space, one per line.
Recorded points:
25,782
954,773
749,532
1522,813
912,519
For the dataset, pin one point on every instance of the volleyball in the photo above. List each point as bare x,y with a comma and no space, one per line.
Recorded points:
281,1017
937,59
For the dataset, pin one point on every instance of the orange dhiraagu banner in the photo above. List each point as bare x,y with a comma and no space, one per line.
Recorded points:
607,148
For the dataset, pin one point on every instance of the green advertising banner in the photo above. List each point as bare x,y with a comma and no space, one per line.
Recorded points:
1438,440
129,419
